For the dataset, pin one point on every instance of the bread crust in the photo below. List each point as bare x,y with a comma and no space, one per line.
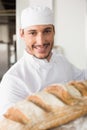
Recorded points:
36,113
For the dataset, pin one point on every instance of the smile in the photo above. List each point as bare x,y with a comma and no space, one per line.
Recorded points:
41,48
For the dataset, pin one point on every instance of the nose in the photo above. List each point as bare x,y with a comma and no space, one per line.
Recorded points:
40,39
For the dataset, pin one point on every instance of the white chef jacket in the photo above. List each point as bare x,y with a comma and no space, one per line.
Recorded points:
30,75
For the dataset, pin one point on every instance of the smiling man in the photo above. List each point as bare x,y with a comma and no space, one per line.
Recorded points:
39,66
39,40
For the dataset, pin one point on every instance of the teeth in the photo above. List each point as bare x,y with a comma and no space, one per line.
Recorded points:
41,47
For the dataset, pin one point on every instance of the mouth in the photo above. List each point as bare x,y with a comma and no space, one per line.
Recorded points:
41,48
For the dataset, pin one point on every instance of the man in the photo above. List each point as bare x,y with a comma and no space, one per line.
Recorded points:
39,67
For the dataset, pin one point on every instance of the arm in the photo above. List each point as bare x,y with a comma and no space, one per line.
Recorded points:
12,90
77,74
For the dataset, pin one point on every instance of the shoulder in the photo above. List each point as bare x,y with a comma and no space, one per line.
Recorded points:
14,68
60,57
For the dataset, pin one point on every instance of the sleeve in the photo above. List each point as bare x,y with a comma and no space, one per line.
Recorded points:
79,74
12,89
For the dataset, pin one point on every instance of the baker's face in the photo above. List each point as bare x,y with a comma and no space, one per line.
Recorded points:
39,40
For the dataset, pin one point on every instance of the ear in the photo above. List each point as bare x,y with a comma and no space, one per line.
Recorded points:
21,33
54,29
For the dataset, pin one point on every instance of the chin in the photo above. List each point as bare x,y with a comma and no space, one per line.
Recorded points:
41,57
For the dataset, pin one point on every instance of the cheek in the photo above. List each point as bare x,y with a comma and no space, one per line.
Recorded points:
29,41
51,38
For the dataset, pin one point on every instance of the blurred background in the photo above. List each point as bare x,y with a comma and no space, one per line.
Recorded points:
70,23
8,54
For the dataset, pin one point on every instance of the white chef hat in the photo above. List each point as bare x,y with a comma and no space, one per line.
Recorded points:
36,15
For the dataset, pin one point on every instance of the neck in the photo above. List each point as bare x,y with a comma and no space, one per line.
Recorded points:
49,57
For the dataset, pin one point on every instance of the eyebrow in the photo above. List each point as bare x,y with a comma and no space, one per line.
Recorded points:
47,28
31,30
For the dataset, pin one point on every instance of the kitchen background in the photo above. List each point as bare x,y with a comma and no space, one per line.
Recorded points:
71,30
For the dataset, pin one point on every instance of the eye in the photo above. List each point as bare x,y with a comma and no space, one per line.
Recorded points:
47,31
32,33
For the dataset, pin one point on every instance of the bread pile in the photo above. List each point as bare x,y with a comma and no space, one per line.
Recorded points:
54,106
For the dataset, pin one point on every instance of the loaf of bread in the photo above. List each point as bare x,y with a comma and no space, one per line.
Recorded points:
50,108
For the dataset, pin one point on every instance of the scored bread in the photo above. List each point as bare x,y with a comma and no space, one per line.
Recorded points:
50,108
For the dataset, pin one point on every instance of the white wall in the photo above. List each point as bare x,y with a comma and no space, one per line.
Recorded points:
20,4
70,29
86,30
